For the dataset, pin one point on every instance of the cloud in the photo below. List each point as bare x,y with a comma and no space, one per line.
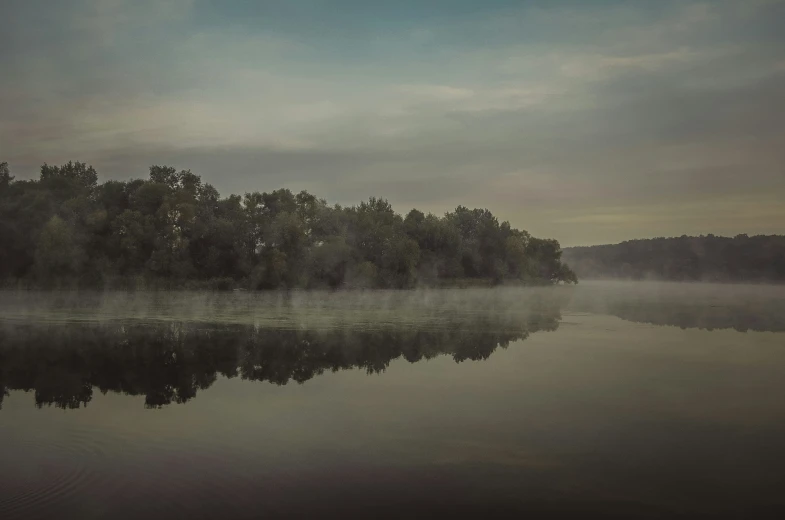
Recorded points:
540,113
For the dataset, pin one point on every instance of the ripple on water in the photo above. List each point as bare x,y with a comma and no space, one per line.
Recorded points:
46,471
95,473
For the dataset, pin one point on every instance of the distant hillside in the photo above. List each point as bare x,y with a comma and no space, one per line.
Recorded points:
758,258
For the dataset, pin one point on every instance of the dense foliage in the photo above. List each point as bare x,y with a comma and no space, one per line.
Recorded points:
707,258
174,230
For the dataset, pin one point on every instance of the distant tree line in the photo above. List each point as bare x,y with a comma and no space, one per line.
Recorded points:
174,230
758,258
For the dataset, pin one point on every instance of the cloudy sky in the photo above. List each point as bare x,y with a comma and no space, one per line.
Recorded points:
590,121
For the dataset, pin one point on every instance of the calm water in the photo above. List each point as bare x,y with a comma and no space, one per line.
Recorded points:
630,400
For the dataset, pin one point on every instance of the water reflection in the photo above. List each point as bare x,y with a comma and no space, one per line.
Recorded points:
700,306
167,348
606,415
170,362
741,318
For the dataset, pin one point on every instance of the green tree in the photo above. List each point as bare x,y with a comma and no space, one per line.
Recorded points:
5,176
174,229
57,254
79,173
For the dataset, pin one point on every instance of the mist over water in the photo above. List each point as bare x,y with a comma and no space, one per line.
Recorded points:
687,305
633,399
303,309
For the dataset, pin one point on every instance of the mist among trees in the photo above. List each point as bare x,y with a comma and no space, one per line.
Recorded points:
173,230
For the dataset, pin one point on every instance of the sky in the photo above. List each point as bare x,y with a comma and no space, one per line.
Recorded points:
588,121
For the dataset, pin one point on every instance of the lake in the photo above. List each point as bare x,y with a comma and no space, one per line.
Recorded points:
622,399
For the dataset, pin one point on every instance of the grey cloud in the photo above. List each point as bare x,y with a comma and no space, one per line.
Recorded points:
618,148
670,129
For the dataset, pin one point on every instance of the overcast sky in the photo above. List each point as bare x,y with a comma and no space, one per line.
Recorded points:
589,121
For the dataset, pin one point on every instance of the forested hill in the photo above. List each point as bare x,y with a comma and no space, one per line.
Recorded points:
758,258
172,230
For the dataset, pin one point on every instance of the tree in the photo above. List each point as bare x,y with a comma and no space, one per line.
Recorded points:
174,229
57,254
5,176
329,261
78,172
165,175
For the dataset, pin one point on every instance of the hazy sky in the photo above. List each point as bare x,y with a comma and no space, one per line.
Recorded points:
589,121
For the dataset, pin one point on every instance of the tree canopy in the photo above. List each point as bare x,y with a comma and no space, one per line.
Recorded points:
174,230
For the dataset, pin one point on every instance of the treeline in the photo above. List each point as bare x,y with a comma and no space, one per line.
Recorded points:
742,258
173,230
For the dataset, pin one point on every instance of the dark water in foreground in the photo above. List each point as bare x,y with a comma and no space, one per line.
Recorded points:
627,400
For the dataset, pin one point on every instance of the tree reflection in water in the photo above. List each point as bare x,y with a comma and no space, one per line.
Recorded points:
688,306
169,362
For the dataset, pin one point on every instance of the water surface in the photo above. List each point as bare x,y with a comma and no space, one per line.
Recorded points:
629,400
